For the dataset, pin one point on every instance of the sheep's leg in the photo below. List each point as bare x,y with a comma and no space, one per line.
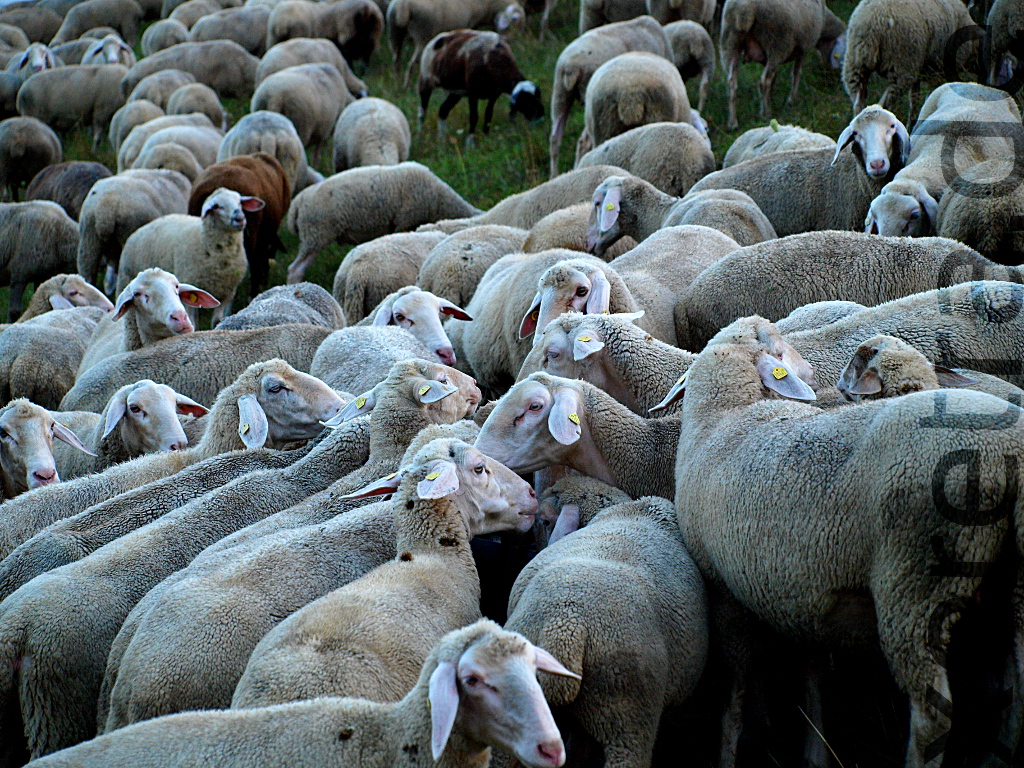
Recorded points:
14,307
442,114
425,94
798,66
471,137
549,6
705,80
912,95
732,720
97,136
110,280
557,132
307,252
860,98
733,79
815,752
765,85
413,63
488,114
397,38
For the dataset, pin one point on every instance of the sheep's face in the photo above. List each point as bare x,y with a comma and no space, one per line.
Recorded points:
526,100
159,300
227,208
884,366
36,58
295,404
879,140
902,211
568,286
147,415
604,228
78,293
26,446
419,312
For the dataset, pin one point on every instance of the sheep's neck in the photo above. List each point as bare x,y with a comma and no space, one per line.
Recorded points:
411,725
392,428
437,520
647,368
650,213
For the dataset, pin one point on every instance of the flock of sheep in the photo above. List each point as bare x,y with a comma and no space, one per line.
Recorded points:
770,402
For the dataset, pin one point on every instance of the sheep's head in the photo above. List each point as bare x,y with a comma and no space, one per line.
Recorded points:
604,228
36,58
228,208
110,50
572,502
419,312
902,209
573,285
147,415
27,432
884,366
512,15
879,140
73,291
527,102
158,301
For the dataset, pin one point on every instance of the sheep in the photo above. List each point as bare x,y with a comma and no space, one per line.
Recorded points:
312,96
163,34
667,12
518,721
455,265
354,26
10,84
35,58
401,197
849,180
158,87
125,16
40,357
1004,23
169,156
225,355
880,467
133,113
27,146
952,116
152,304
477,65
567,228
423,21
13,37
373,270
38,241
64,292
169,6
989,222
816,315
196,97
633,89
580,59
66,184
132,145
38,24
612,353
189,12
526,439
116,207
201,142
594,13
274,134
246,26
223,65
671,156
306,50
26,450
206,250
67,97
259,176
371,131
110,50
140,418
900,40
774,138
693,53
639,635
773,34
298,303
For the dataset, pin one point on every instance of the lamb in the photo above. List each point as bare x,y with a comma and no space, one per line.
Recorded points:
873,454
125,16
567,228
116,207
306,50
423,21
639,635
362,655
159,86
633,89
900,40
594,13
991,223
27,146
372,271
312,96
477,65
141,418
152,304
196,97
26,450
274,134
580,59
66,184
169,156
258,176
38,24
110,50
206,250
64,292
454,267
774,138
773,34
354,26
352,359
223,65
37,241
163,34
298,303
1004,23
850,180
246,26
519,721
133,113
693,51
671,156
67,97
580,498
401,197
35,58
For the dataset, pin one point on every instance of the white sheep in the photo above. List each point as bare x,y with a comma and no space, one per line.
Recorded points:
774,138
140,134
693,52
453,268
595,13
37,241
159,86
371,132
27,146
27,432
354,26
35,58
169,156
246,26
274,134
567,228
196,97
163,34
133,113
990,222
308,50
223,65
110,50
73,96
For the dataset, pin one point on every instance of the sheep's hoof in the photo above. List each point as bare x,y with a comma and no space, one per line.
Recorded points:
471,141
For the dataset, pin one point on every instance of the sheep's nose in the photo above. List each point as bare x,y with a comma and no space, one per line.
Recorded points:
533,493
44,476
878,166
552,752
178,445
180,321
447,355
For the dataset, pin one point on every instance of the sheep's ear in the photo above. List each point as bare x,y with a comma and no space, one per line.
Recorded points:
442,479
782,379
629,317
900,152
429,391
115,411
59,302
600,297
548,663
252,422
63,433
950,378
868,383
187,405
609,212
362,404
930,208
447,308
383,315
444,705
845,139
585,345
567,522
677,391
124,302
529,324
196,297
251,204
564,418
380,487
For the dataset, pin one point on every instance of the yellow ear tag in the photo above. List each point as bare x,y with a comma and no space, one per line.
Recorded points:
192,297
681,379
360,402
583,338
535,315
574,419
245,429
424,389
433,476
779,373
609,206
391,476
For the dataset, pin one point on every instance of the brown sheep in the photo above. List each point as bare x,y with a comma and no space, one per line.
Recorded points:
258,175
66,184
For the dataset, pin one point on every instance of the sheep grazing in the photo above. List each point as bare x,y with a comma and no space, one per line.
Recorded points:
371,132
247,26
693,53
773,33
354,26
567,228
141,134
66,184
1005,22
990,223
477,65
133,113
360,204
223,65
38,24
453,268
299,303
257,176
64,292
125,16
307,50
595,13
110,50
163,34
205,250
37,241
27,146
158,87
774,138
274,134
27,432
74,96
196,97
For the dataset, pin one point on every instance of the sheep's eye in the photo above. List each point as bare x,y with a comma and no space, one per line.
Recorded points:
399,318
915,215
443,379
582,290
4,434
552,354
471,680
72,293
535,406
479,470
275,387
134,408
